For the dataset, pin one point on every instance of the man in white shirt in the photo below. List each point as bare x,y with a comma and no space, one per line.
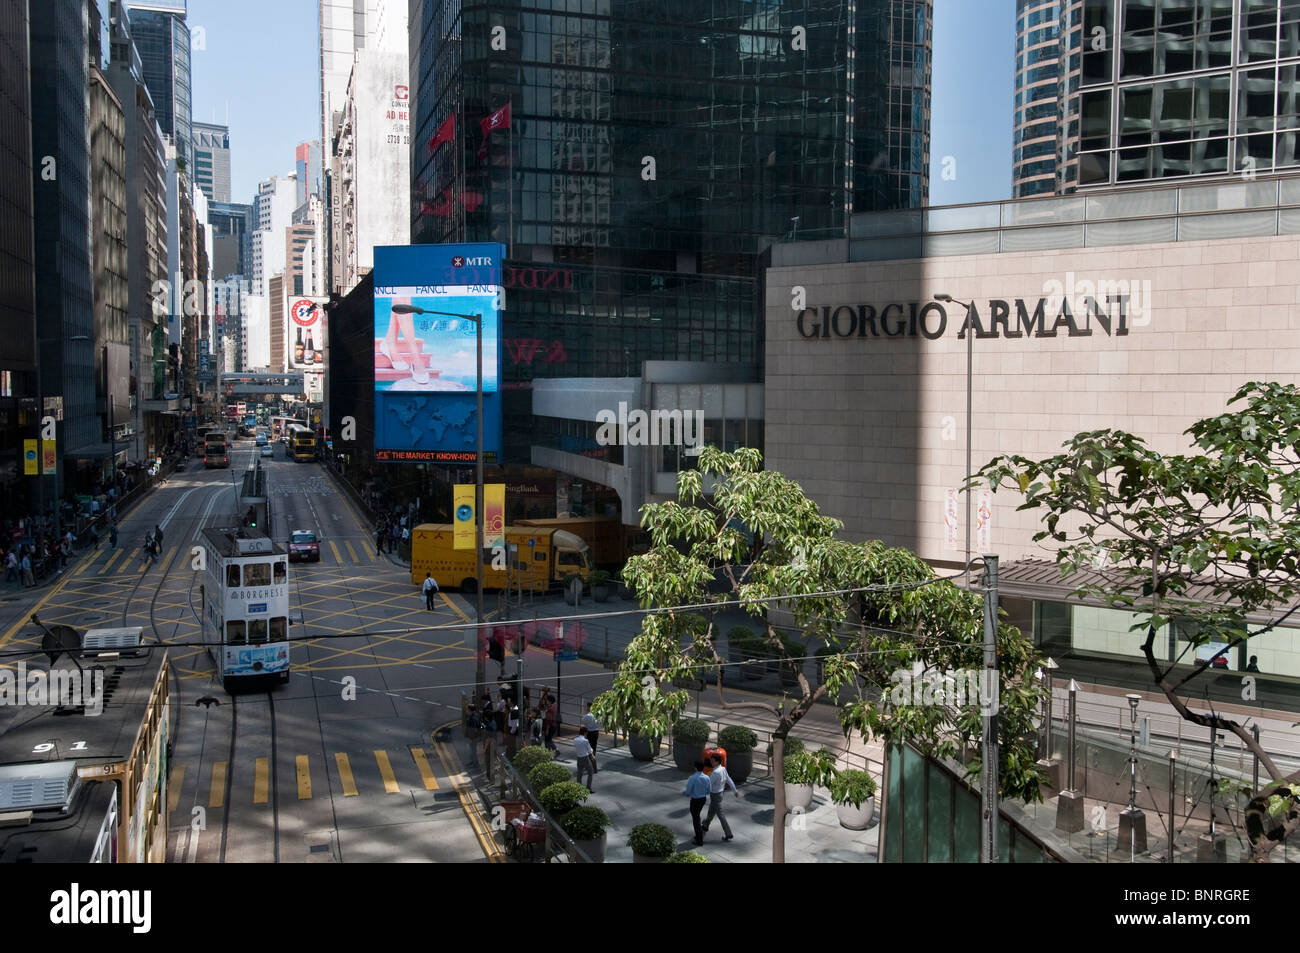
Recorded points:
582,751
593,732
719,781
430,590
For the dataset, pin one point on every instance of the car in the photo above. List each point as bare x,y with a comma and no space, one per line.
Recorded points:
180,463
303,545
261,440
268,450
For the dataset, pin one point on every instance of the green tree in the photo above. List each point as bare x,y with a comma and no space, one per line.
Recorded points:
1202,540
879,609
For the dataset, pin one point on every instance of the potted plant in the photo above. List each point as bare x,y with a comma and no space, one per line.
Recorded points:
643,747
803,771
587,826
544,775
600,587
651,843
624,590
562,797
573,589
852,793
690,735
739,743
687,857
529,757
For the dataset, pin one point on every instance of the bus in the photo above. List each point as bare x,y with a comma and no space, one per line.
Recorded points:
280,426
216,451
542,558
302,443
245,599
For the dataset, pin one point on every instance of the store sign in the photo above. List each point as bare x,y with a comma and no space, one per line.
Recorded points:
1016,318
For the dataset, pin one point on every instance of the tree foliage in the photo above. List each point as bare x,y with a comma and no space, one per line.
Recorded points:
738,532
1204,538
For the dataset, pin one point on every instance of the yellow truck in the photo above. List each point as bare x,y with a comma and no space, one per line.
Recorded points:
543,559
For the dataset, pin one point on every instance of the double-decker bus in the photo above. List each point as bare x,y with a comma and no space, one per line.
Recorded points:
216,450
245,615
280,426
302,442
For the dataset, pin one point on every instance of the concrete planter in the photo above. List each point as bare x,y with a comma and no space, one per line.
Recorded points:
643,748
600,593
856,818
595,849
686,753
798,796
740,764
641,859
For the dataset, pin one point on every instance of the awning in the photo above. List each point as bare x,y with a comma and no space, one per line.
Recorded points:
97,451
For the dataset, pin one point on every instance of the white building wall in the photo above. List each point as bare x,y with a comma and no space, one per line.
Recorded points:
257,332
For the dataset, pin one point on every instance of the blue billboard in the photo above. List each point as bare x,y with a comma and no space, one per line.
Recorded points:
426,381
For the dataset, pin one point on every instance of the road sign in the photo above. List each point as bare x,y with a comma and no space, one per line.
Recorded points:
566,655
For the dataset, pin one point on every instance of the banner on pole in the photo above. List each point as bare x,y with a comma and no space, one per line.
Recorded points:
49,458
494,514
463,513
30,466
950,521
984,521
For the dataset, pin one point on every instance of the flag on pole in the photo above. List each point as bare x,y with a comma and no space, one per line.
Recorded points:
497,120
446,133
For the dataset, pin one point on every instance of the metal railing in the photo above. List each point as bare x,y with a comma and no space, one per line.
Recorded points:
511,787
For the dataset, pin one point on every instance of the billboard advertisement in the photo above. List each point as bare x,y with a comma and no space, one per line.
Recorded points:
463,510
428,302
307,335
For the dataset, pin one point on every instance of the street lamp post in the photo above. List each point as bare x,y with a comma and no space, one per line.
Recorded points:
970,337
479,674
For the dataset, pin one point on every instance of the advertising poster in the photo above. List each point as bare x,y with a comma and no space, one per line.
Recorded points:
463,512
49,458
429,300
950,521
984,521
494,514
29,457
307,337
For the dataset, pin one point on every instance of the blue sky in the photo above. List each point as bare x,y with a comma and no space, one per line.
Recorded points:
259,66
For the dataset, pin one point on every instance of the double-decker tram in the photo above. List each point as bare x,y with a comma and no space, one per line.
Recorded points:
246,607
216,450
302,443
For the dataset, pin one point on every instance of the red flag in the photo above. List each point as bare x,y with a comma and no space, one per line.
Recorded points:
497,120
441,206
471,200
446,133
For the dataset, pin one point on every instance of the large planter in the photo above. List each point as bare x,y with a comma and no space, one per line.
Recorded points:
686,753
798,796
856,818
595,849
643,748
740,764
790,673
600,593
642,859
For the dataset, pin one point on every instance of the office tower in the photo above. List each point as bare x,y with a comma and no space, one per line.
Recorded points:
162,38
212,160
306,160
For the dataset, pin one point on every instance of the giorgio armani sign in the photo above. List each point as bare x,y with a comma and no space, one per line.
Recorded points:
1045,317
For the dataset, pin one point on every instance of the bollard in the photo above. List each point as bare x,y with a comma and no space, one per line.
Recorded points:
1069,803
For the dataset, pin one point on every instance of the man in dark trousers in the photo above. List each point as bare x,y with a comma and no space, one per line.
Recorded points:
430,591
697,789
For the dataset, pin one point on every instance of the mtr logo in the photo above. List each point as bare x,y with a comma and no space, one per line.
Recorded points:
460,261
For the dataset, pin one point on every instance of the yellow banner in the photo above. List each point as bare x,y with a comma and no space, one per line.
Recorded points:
462,512
494,514
31,465
50,460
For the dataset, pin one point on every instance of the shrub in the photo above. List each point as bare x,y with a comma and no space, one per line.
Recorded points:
795,650
687,857
562,797
852,787
530,757
793,746
544,775
585,823
598,577
805,768
737,738
743,640
691,730
652,840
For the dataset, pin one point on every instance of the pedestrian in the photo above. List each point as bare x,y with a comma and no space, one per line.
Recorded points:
430,590
697,789
158,537
512,732
719,781
112,535
379,542
1253,665
586,762
148,549
29,581
11,566
535,728
549,726
593,730
490,728
473,731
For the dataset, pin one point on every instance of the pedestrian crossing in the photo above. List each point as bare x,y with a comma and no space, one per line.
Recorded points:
125,561
355,774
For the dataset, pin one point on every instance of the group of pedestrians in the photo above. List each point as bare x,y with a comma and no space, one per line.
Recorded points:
153,541
390,533
711,787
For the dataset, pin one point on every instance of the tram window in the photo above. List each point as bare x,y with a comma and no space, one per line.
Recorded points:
280,571
232,577
235,633
279,628
257,574
256,631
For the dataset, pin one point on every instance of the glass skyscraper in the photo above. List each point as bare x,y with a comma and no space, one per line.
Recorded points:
163,42
654,150
1169,89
